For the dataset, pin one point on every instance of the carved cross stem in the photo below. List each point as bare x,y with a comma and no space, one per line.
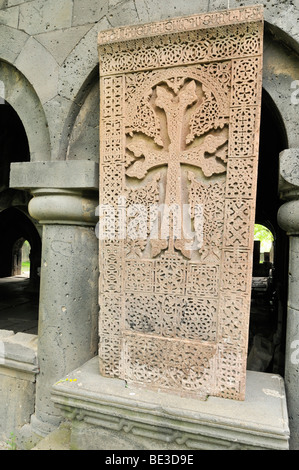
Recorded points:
174,155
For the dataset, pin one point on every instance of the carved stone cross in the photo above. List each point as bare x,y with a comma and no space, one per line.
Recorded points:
179,121
175,153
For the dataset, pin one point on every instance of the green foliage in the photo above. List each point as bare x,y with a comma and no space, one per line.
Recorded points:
265,236
11,443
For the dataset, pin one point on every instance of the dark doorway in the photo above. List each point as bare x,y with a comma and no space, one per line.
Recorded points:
269,286
14,145
18,292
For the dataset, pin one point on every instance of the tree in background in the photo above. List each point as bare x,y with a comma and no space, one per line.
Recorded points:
265,236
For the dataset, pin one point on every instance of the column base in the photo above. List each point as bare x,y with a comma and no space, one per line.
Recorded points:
109,415
31,434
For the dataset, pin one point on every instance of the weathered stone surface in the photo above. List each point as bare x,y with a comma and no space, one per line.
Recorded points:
179,125
51,16
20,94
158,10
18,369
84,142
60,174
15,389
73,75
57,440
10,17
57,111
21,348
280,68
18,351
69,276
288,214
289,173
40,68
277,78
109,415
10,3
292,360
88,11
288,219
14,41
5,334
61,42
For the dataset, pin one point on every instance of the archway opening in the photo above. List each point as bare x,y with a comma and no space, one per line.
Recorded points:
20,254
263,249
270,260
20,241
21,258
26,252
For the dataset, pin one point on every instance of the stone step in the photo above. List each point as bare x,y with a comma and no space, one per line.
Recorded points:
56,440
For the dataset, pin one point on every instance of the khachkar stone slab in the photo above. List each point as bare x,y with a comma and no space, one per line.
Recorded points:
179,137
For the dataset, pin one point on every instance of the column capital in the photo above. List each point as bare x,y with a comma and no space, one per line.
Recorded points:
288,217
64,192
63,207
288,213
289,174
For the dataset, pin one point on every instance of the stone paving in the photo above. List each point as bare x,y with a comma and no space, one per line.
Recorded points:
18,305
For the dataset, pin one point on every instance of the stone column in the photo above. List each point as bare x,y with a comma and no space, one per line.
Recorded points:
288,219
65,197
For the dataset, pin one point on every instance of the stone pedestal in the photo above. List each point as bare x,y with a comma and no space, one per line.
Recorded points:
64,202
288,218
18,369
108,414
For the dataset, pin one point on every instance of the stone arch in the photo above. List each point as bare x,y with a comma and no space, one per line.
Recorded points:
281,69
28,75
13,142
273,139
21,96
81,133
80,64
79,74
78,84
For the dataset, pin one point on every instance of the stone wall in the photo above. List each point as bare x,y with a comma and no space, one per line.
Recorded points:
18,369
49,69
54,45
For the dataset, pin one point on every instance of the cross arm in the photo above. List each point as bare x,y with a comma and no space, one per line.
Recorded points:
196,156
147,159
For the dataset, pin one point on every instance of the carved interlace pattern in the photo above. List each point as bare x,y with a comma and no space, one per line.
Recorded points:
180,109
